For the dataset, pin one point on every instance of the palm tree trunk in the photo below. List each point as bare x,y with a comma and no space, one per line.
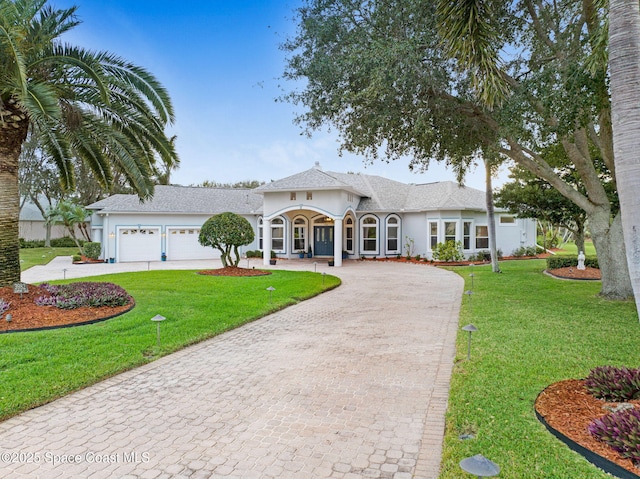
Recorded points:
624,65
491,219
13,131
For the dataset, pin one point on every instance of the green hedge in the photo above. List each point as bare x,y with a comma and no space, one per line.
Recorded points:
65,242
92,250
554,262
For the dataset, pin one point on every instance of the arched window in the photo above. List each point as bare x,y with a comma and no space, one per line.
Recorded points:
348,235
277,235
393,235
369,234
300,234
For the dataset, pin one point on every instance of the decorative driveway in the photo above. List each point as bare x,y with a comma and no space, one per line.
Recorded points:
350,384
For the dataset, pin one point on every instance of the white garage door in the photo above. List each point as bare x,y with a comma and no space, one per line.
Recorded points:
182,244
139,244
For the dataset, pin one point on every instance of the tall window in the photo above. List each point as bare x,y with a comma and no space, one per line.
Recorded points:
482,237
466,235
393,234
299,234
277,234
450,231
370,234
433,234
260,223
348,234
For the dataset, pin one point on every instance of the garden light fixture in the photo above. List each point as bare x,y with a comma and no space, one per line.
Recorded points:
271,289
480,466
64,273
471,328
469,293
471,276
157,319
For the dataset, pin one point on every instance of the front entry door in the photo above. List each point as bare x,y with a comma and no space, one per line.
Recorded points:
323,241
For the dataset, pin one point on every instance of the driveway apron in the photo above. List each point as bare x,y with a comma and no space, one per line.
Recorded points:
350,384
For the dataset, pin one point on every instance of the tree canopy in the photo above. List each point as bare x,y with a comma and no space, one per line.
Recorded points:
90,105
386,78
227,232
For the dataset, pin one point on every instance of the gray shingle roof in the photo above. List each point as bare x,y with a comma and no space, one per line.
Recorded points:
184,199
377,194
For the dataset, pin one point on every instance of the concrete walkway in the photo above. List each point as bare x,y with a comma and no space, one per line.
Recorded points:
350,384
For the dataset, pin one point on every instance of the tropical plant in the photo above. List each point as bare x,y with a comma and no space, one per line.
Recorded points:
448,251
621,431
84,293
378,73
90,105
226,232
613,383
73,217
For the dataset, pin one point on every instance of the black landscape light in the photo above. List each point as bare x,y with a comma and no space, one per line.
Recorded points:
480,466
471,328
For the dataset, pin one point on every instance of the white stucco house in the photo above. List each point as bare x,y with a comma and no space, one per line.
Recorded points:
330,213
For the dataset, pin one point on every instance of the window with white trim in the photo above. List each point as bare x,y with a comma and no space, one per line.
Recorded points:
277,235
450,231
466,235
393,234
433,234
369,228
507,220
299,234
482,237
260,224
348,234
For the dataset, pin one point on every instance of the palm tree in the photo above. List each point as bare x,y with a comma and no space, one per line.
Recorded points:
91,105
624,71
73,217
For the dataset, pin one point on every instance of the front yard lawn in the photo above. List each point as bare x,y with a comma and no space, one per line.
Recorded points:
533,331
38,367
33,256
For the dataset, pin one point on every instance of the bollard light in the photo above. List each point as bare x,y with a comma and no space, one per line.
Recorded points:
480,466
158,319
64,273
271,289
148,265
469,293
472,276
315,266
471,328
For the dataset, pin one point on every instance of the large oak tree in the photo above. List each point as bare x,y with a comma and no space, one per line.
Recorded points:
387,78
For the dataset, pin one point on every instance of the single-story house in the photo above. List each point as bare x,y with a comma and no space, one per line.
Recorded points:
33,226
331,214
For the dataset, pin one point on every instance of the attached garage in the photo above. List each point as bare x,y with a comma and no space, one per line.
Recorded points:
139,244
182,244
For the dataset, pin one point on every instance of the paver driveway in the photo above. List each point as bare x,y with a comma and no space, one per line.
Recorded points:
350,384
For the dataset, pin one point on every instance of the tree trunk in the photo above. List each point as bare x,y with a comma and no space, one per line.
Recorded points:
13,131
608,240
491,220
624,67
579,236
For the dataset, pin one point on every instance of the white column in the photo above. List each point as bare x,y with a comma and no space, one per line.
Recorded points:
266,241
337,243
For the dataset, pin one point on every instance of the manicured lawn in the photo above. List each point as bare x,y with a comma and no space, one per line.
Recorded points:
33,256
37,367
533,331
571,249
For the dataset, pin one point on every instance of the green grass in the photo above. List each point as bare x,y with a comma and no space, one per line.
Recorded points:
533,331
34,256
571,249
37,367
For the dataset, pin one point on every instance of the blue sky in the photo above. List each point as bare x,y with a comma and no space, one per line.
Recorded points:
221,63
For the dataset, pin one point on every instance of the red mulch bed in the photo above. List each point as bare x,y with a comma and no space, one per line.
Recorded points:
588,273
25,314
569,408
234,271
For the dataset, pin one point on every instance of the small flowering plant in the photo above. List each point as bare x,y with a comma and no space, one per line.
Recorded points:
77,295
614,383
621,431
4,306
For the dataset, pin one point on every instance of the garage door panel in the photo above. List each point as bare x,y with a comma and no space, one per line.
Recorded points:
182,244
139,244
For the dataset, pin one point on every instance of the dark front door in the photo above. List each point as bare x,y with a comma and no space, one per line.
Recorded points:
323,240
